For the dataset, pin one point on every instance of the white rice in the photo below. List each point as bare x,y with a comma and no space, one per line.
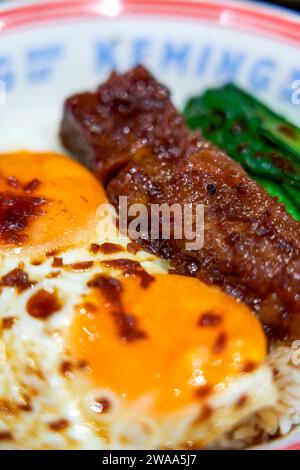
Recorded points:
276,421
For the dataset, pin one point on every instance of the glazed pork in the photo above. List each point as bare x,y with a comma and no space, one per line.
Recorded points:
126,116
129,133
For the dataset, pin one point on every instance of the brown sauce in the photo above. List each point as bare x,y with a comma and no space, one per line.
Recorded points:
133,248
59,425
43,304
130,268
16,212
220,343
126,323
8,323
209,319
81,266
110,248
17,278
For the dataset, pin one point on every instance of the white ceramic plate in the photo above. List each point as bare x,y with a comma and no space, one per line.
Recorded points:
49,50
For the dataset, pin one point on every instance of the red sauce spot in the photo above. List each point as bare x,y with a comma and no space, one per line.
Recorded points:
82,266
17,278
6,436
43,304
57,262
83,366
128,327
52,252
249,366
8,323
110,248
203,391
94,248
16,212
32,185
130,268
220,343
110,288
90,307
103,405
59,425
13,182
242,401
133,248
66,369
126,323
209,319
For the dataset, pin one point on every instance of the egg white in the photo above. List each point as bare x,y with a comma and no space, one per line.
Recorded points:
32,352
44,407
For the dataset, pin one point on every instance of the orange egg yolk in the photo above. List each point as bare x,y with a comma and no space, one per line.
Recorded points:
48,202
176,340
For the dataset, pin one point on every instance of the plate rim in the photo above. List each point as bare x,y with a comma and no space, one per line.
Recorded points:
252,17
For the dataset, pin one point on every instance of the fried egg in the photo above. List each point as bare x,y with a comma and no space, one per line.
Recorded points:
100,348
54,191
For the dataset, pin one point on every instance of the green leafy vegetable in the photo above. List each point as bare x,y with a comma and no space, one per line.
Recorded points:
293,193
276,190
263,142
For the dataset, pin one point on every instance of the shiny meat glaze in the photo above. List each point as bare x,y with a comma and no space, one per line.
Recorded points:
106,129
130,134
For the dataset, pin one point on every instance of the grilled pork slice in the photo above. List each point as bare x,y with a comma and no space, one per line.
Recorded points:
131,136
127,114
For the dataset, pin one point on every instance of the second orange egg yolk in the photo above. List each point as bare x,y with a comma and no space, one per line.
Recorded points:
176,340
